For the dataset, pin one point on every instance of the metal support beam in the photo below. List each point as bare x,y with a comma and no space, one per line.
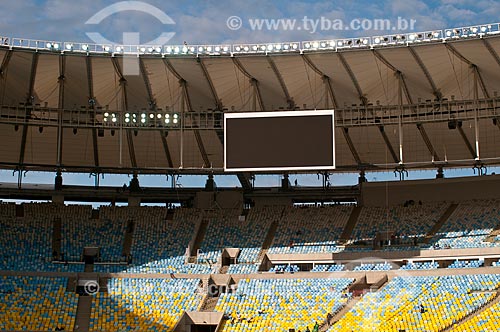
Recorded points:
492,51
3,71
362,97
90,89
29,101
351,146
166,149
201,146
326,80
397,72
244,179
123,85
435,91
289,100
427,141
218,102
478,78
186,101
253,81
389,145
147,84
61,80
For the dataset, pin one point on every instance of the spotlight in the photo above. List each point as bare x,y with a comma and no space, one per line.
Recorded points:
377,40
315,44
158,50
168,49
85,47
209,49
143,115
184,49
151,116
107,48
143,120
69,47
127,120
56,46
118,49
48,45
159,115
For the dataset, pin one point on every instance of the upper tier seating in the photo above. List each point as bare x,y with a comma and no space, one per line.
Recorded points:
227,231
159,245
469,225
310,230
406,221
80,231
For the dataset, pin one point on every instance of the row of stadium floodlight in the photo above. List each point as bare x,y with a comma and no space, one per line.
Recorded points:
476,31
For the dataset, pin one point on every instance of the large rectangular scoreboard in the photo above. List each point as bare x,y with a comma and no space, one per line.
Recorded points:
279,141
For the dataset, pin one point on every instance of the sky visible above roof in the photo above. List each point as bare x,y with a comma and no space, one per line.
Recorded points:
230,21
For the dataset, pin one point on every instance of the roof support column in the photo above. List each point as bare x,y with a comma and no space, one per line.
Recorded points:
476,110
60,110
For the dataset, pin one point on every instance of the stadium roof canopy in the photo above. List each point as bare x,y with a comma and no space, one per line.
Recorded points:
414,101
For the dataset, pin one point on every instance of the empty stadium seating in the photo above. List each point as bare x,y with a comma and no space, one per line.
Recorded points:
282,304
159,245
328,268
425,303
143,304
488,320
414,220
469,226
310,230
36,304
466,264
420,266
